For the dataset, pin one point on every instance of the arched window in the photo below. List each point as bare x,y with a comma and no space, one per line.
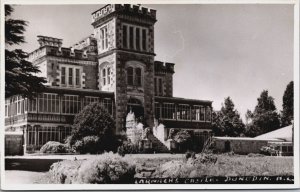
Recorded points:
130,76
104,76
138,76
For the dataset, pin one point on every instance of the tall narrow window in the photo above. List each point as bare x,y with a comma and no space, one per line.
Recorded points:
144,37
137,38
106,38
70,76
108,75
125,37
63,75
131,37
77,75
130,76
160,86
138,74
102,38
104,76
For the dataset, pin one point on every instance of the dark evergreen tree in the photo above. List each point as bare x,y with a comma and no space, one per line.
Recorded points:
227,121
264,118
20,74
95,125
287,114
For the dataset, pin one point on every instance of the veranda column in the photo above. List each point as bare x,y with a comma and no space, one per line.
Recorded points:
25,140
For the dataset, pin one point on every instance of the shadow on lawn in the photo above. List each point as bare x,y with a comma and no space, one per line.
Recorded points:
38,165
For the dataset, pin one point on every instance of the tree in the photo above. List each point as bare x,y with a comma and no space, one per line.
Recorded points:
287,114
264,118
20,78
94,126
227,121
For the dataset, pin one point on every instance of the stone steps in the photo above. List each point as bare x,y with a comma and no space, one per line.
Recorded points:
157,145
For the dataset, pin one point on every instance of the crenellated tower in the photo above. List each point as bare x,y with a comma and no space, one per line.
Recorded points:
125,44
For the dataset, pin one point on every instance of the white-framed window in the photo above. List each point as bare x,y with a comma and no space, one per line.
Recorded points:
104,38
134,37
105,73
168,111
183,112
89,99
32,105
70,104
7,107
70,76
48,103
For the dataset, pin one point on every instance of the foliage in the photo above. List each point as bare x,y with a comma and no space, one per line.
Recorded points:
189,155
54,147
223,165
88,144
268,150
287,114
227,121
95,121
64,172
182,137
128,148
106,168
264,118
20,75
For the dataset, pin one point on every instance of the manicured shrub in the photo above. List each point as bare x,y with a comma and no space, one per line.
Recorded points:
54,147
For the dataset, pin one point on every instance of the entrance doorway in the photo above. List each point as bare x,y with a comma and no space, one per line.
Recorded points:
135,106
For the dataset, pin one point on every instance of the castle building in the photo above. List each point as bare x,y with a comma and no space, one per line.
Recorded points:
115,66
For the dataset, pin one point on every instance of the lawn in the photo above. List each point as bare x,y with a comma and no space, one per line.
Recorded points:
226,165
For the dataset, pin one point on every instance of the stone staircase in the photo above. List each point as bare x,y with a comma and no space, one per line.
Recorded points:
157,145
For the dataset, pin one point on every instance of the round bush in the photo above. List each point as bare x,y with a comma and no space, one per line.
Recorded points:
106,168
93,131
54,147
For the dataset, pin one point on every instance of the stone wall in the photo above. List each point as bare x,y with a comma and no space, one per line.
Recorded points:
240,146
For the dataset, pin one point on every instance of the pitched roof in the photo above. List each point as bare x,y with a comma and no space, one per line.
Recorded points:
285,134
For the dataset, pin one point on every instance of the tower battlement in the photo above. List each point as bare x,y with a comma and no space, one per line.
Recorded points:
129,8
163,67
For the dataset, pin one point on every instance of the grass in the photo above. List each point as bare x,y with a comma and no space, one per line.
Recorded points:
226,165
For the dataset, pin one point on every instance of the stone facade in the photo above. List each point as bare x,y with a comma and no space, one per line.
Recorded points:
115,66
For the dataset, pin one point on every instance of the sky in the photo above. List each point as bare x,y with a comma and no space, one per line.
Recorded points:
218,50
